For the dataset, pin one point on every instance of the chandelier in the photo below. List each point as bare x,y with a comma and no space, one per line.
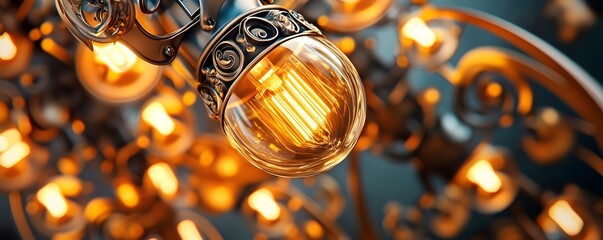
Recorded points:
454,123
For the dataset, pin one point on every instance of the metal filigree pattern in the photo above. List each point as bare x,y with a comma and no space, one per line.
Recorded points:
240,45
97,20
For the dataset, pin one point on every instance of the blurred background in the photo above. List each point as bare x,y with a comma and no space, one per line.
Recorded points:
476,129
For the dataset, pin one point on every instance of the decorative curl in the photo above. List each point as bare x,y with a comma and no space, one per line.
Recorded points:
484,68
259,31
228,59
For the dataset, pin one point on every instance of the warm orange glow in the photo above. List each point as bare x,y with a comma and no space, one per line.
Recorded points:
163,178
494,90
117,57
127,194
432,95
347,45
550,116
8,49
51,197
417,30
46,28
143,141
12,149
567,219
482,174
227,167
206,158
78,126
189,98
263,201
188,230
314,229
221,197
156,116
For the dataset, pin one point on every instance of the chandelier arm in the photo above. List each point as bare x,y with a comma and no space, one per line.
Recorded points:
16,207
367,230
583,89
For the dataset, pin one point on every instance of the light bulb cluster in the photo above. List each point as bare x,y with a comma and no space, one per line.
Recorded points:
286,98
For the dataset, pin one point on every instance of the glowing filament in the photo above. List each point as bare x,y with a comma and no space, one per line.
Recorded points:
163,178
117,57
156,116
12,149
482,174
188,230
263,201
567,219
8,49
128,195
417,30
51,197
291,102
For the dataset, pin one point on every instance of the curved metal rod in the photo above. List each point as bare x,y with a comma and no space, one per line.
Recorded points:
367,231
313,209
16,208
579,90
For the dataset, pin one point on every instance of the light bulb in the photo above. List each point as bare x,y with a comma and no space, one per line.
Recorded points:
51,197
188,230
482,174
163,178
8,49
12,148
116,56
297,112
568,220
417,30
263,201
156,116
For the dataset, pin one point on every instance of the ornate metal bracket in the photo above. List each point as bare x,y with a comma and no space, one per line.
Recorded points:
241,44
111,20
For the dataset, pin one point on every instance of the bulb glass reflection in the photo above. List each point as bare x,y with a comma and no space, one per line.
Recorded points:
299,111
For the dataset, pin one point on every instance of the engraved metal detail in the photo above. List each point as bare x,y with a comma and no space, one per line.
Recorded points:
98,20
240,45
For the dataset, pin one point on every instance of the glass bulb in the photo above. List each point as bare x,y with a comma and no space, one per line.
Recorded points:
299,111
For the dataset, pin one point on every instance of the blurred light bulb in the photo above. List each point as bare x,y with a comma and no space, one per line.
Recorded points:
567,219
163,178
8,49
51,197
417,30
482,174
12,148
117,56
263,202
188,230
299,111
156,116
127,194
